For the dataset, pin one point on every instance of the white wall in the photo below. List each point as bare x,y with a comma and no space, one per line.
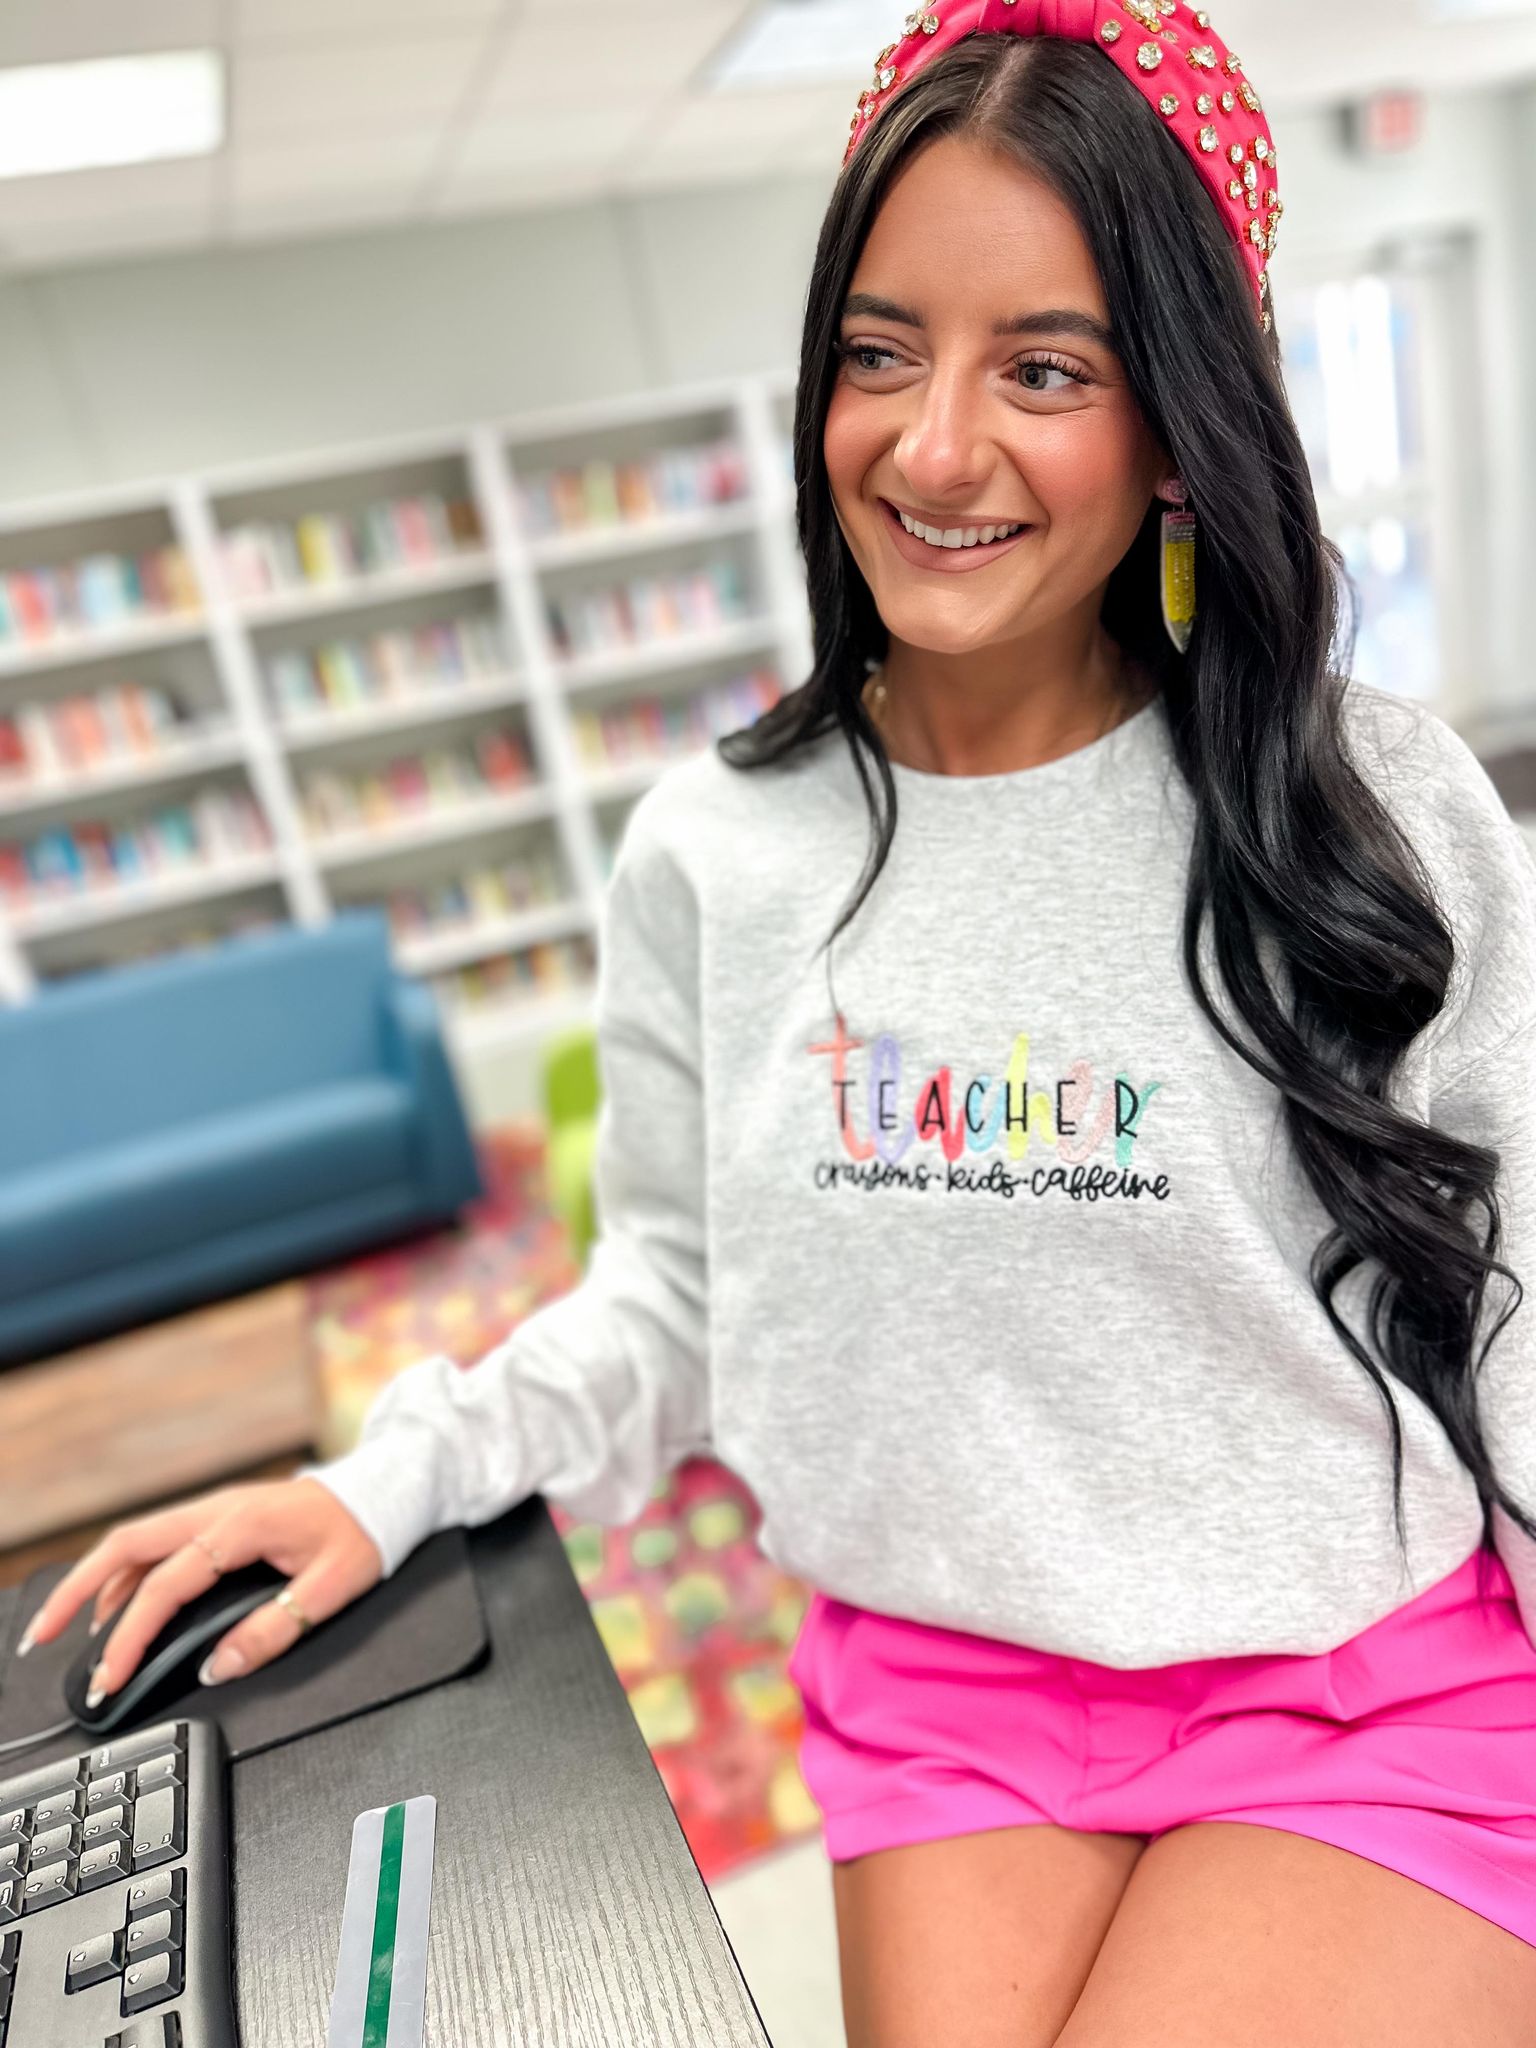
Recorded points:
118,371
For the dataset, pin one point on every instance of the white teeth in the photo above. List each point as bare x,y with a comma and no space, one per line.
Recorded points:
958,536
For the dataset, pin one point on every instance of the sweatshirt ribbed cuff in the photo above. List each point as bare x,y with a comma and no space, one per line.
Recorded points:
387,1483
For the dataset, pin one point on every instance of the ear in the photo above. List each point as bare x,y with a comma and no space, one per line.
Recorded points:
1158,458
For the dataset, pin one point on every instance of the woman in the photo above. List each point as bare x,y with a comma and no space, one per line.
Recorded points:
1085,1259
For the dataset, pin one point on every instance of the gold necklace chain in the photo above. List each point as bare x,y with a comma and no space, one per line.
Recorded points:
876,699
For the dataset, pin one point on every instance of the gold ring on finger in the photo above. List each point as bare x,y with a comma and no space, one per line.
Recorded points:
290,1606
214,1557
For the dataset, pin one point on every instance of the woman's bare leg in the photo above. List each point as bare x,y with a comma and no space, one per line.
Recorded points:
1232,1932
977,1941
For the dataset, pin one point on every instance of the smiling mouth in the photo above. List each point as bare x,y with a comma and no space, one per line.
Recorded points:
969,535
952,547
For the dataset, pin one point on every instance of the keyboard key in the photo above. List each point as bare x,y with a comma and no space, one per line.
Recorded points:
163,2030
161,1888
153,1934
105,1823
10,1949
112,1788
151,1983
49,1844
10,1899
169,1768
45,1778
92,1962
114,1756
13,1857
45,1884
159,1827
104,1864
64,1802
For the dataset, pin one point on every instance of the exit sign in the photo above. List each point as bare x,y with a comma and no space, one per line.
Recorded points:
1387,123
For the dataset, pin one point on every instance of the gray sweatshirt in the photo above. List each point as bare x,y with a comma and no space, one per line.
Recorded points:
979,1256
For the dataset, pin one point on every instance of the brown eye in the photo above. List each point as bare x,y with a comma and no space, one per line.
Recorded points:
1035,372
853,352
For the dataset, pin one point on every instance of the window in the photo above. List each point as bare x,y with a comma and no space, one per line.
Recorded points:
1359,348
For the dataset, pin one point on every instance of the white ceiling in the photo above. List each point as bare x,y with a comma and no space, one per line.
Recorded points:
352,113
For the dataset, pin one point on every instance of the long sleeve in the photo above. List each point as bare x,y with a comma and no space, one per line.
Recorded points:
595,1396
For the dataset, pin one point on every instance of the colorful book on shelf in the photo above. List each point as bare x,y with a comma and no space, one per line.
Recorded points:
416,542
599,493
321,548
632,486
464,528
379,546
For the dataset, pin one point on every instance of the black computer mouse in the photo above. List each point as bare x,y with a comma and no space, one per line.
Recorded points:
170,1665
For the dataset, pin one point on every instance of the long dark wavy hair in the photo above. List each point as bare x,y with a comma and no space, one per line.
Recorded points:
1291,848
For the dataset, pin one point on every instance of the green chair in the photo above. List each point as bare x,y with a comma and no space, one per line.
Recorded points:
572,1090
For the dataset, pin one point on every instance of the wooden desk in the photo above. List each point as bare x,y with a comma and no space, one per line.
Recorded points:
567,1911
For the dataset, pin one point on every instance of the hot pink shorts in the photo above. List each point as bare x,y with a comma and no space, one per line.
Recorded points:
1412,1744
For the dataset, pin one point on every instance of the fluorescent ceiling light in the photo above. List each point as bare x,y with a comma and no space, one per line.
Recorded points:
807,42
110,110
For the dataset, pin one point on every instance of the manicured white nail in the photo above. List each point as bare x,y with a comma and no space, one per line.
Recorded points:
97,1626
98,1691
225,1662
28,1639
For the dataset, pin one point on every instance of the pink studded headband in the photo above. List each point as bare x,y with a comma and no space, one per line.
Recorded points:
1170,53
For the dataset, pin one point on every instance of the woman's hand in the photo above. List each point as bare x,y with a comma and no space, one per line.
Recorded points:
159,1562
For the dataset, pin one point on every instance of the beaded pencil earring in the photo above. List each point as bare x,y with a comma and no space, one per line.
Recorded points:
1178,571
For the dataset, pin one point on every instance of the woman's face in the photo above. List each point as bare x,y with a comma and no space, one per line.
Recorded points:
978,387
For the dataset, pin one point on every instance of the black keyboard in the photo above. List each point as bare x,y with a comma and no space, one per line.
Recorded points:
114,1896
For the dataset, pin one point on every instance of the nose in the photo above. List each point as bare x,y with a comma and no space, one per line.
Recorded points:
943,450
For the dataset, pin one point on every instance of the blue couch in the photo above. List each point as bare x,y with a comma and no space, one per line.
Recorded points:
186,1128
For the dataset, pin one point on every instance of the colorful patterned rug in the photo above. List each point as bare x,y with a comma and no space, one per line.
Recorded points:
698,1623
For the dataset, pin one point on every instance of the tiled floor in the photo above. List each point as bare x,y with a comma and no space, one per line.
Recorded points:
778,1918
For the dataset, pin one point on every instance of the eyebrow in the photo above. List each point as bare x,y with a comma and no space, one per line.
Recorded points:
1055,320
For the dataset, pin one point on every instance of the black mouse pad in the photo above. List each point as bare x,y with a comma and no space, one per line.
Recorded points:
410,1632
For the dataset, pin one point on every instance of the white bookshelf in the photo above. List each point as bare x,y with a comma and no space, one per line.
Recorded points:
540,601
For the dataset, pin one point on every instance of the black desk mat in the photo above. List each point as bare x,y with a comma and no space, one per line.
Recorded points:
410,1632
